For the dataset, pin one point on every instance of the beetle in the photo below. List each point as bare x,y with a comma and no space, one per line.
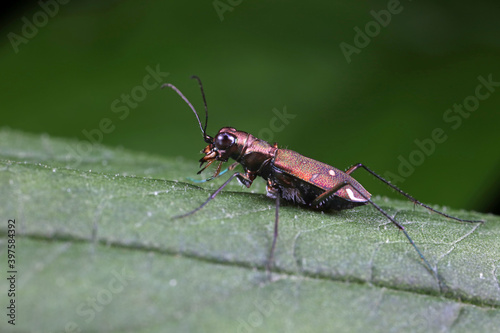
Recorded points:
290,176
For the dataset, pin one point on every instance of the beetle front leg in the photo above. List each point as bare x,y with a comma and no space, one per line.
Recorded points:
241,177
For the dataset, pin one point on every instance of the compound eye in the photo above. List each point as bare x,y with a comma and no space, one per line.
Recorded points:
223,141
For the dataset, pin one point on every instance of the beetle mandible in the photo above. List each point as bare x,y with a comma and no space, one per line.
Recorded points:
290,176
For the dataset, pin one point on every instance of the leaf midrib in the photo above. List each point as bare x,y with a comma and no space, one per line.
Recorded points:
276,274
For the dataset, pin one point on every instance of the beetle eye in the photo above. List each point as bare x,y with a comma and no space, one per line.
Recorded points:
224,141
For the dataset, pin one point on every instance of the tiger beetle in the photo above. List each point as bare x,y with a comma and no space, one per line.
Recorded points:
290,176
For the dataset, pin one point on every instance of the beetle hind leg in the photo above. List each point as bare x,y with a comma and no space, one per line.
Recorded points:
324,197
397,224
406,195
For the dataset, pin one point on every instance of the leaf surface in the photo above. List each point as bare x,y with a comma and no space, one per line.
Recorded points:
98,251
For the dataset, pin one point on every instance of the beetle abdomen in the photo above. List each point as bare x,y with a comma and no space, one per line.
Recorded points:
322,177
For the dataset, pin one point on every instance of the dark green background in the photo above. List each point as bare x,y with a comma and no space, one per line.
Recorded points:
265,55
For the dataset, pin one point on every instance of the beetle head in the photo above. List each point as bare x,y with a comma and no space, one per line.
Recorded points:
223,146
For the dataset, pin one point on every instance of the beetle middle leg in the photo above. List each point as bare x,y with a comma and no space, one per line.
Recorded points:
275,192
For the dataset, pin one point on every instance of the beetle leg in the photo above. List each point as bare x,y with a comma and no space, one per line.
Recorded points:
270,260
271,189
377,207
234,165
323,197
409,197
246,179
241,177
354,167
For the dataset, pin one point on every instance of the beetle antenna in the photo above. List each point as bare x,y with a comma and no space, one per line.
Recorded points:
174,88
204,102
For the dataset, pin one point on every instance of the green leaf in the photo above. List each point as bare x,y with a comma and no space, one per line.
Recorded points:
97,251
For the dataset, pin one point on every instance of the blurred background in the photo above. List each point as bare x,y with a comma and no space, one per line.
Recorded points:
410,88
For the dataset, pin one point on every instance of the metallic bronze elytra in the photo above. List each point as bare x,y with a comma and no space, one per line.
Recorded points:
290,176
